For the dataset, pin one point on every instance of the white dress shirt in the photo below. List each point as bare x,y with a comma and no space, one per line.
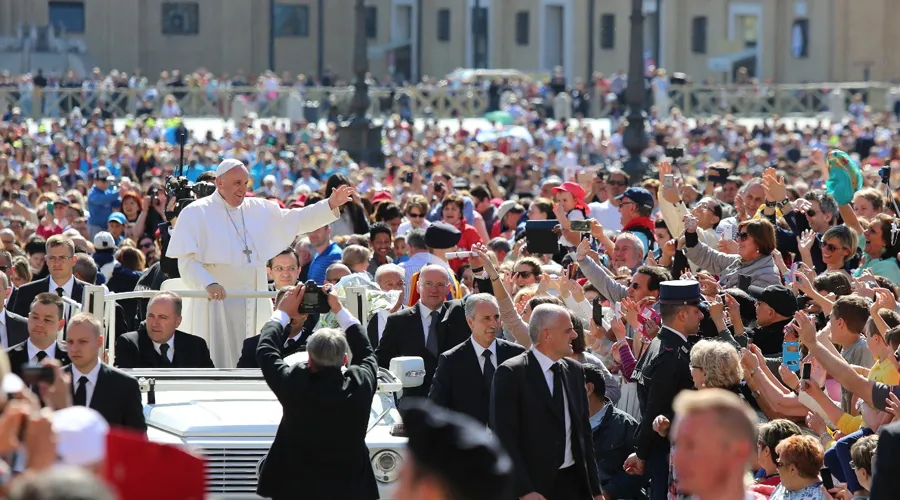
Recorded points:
33,350
67,287
91,384
479,353
4,336
171,352
547,363
382,321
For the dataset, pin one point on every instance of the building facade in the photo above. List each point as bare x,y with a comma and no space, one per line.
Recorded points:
787,41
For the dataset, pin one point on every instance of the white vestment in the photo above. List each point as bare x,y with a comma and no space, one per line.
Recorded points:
210,249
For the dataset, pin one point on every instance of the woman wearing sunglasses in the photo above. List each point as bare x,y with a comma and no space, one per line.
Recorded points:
756,241
416,210
838,247
881,248
526,272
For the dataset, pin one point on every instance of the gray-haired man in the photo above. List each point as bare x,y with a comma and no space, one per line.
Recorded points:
321,440
462,381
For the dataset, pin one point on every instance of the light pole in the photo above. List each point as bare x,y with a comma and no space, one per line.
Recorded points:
359,136
635,138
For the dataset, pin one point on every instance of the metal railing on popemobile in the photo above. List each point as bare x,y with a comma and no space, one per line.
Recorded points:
100,303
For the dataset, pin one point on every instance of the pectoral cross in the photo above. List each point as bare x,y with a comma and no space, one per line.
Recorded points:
247,252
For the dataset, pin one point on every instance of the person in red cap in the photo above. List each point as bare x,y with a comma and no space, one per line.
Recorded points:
570,206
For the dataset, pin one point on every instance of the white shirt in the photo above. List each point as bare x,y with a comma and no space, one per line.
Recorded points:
33,350
425,313
479,353
382,321
171,352
547,363
91,383
676,332
607,215
4,337
67,288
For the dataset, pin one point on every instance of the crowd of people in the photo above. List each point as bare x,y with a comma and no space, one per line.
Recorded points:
758,265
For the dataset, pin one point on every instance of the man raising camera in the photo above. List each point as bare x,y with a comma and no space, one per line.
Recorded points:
320,447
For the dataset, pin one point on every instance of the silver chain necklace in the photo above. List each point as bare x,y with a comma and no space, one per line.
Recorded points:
244,237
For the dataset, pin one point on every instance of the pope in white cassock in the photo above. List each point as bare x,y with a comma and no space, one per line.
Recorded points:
222,242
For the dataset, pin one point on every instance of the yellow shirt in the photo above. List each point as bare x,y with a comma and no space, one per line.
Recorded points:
883,372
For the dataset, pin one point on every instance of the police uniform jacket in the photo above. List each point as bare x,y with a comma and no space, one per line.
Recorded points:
662,372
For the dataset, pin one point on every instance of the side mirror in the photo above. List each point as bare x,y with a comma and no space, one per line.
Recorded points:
409,369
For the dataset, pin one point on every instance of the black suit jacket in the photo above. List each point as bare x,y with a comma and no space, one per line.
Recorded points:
372,331
404,336
136,350
13,295
458,383
117,397
18,356
248,351
886,482
29,291
326,414
523,416
16,328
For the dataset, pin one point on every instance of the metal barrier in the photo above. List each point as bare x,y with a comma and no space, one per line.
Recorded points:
97,299
315,103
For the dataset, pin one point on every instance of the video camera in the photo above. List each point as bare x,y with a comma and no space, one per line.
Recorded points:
178,187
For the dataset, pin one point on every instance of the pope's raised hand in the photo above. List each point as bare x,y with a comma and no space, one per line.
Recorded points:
340,196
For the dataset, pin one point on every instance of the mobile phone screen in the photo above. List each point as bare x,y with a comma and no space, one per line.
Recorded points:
806,373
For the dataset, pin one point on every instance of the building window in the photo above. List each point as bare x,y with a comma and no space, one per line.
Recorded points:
800,39
608,31
371,22
180,18
698,35
291,20
68,15
522,27
443,27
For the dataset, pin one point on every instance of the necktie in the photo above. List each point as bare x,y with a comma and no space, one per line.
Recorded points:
60,291
80,398
290,344
40,356
431,343
164,353
488,368
559,402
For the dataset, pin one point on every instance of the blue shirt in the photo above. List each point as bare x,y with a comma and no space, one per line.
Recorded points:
321,261
100,204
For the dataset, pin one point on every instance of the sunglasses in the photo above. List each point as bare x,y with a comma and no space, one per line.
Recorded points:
414,216
743,236
146,245
524,274
810,213
617,183
634,286
832,248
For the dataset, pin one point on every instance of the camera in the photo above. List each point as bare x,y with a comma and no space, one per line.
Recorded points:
33,373
885,174
154,196
315,300
183,190
675,153
438,187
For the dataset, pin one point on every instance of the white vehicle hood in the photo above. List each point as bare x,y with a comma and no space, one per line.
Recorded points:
248,417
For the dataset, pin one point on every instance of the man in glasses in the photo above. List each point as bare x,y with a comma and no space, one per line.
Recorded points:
429,327
607,212
283,269
60,257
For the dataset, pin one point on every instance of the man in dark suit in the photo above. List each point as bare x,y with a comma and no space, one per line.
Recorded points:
321,440
44,321
13,328
283,269
157,343
464,374
61,281
299,330
114,394
662,372
886,482
539,411
427,329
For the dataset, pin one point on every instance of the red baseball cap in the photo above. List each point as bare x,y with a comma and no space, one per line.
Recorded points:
572,188
382,196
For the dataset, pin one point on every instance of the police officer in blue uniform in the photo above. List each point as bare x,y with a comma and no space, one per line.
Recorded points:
662,372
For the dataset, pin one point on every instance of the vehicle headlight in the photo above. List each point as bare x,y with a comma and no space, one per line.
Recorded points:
386,465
